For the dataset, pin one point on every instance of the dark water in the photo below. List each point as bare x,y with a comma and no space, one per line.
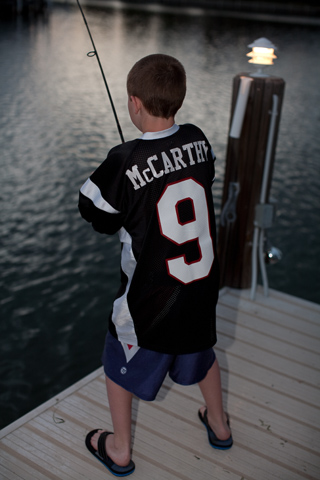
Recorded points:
58,277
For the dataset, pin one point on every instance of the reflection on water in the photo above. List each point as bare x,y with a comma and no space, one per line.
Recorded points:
58,277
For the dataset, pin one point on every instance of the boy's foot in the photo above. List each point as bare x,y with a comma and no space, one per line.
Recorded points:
220,437
119,465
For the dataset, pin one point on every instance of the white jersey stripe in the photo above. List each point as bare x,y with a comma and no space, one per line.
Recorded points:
129,351
121,316
90,190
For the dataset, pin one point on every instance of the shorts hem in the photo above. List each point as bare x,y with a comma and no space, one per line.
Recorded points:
188,384
140,397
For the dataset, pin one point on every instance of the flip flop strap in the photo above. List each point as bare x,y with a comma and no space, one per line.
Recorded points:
102,445
205,417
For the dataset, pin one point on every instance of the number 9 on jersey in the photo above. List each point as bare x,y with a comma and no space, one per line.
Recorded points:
179,232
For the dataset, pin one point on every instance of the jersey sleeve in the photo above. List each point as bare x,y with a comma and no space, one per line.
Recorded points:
210,153
100,197
102,221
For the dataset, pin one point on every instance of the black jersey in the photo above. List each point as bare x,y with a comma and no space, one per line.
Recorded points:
155,192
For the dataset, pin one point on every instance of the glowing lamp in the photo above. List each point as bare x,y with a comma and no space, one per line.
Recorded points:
262,54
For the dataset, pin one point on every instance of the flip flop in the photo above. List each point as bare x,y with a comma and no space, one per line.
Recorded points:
102,455
213,439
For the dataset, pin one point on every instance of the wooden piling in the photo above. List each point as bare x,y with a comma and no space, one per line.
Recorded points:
244,168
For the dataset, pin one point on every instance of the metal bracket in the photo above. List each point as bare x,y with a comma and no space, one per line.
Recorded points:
228,214
264,215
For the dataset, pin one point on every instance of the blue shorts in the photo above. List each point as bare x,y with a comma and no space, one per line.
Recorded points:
142,371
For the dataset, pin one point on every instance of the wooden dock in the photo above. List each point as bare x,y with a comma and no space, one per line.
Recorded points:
268,351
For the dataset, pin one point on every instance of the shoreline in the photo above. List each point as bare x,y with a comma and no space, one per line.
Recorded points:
303,14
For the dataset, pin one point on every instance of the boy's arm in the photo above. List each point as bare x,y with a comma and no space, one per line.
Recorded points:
101,194
102,221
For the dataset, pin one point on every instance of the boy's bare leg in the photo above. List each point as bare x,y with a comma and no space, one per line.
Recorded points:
118,445
210,387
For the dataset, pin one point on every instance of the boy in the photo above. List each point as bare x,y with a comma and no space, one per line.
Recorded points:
155,192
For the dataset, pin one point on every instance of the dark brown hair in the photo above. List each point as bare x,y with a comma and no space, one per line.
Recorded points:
160,82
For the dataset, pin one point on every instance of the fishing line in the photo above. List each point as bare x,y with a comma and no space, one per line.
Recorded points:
94,53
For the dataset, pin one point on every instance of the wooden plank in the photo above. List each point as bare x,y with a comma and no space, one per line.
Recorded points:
52,460
272,401
304,339
7,473
270,343
20,466
23,455
254,413
282,306
263,376
263,358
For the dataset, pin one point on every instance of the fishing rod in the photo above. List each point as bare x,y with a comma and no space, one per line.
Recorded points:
94,53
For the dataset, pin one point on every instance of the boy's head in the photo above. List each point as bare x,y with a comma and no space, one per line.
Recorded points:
159,81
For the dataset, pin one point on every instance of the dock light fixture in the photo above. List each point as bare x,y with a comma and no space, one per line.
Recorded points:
262,54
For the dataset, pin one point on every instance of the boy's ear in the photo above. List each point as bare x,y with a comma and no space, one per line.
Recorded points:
137,103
